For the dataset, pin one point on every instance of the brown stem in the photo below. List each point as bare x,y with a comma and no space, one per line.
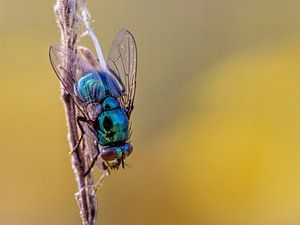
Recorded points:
65,12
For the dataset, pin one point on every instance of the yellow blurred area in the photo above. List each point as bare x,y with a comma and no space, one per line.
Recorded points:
242,161
216,123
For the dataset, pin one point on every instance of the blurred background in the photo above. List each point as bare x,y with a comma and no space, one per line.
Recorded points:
216,123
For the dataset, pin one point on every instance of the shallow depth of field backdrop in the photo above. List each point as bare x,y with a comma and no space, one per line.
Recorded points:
216,124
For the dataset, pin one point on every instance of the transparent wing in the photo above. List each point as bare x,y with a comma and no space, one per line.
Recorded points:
67,76
94,83
122,61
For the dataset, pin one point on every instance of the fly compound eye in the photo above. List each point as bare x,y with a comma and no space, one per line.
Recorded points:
107,123
109,154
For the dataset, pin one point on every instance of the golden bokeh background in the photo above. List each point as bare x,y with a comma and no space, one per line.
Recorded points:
216,123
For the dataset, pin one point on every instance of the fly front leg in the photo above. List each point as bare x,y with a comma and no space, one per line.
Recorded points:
106,167
123,164
116,165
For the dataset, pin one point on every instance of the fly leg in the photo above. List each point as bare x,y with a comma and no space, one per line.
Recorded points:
123,158
120,162
78,120
106,166
93,161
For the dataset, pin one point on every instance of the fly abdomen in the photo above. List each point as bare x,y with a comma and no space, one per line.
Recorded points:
90,88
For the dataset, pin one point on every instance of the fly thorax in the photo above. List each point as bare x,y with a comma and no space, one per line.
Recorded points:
113,123
95,86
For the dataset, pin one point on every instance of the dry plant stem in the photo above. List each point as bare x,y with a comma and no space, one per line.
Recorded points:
66,15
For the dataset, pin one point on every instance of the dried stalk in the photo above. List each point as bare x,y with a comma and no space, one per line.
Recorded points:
66,12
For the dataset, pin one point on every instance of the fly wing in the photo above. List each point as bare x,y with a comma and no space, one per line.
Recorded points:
79,66
67,76
122,61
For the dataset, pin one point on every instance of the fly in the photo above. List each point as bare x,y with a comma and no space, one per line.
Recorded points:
104,93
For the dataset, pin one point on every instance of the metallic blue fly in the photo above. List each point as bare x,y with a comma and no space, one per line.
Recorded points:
104,94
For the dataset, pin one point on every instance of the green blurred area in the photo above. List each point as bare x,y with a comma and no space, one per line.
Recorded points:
216,123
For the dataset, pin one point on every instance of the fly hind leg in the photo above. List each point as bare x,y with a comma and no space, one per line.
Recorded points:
79,119
93,161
